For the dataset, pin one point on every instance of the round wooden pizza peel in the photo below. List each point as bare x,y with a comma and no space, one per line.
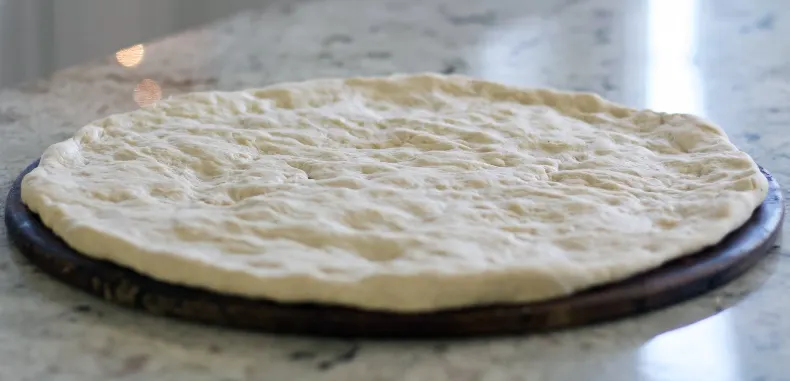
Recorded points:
674,282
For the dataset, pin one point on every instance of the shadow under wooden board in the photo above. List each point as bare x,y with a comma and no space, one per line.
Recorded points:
674,282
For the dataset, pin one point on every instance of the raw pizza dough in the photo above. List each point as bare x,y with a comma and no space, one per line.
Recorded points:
405,193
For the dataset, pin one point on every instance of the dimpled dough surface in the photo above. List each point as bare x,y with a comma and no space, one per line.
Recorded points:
404,193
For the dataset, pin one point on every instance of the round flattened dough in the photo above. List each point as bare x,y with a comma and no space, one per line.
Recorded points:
405,193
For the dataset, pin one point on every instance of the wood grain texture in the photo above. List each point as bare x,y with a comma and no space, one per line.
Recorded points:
674,282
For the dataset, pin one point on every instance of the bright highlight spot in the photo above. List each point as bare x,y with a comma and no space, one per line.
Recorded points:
131,56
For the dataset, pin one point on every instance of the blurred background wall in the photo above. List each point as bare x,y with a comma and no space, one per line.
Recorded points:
38,37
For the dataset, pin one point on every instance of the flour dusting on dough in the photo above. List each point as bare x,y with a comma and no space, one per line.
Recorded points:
405,193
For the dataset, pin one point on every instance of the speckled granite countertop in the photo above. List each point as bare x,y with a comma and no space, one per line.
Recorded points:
725,59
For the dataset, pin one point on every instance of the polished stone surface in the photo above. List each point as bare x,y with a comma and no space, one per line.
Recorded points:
727,60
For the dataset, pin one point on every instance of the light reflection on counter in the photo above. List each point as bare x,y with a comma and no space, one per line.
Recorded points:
673,80
705,350
147,92
702,351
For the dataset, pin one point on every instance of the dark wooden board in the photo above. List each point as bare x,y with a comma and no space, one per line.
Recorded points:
674,282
